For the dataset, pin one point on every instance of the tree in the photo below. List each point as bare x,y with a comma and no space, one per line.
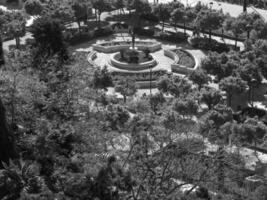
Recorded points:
209,19
33,7
182,15
48,35
15,25
234,25
162,11
119,4
212,65
232,85
80,12
126,87
2,60
186,106
7,150
101,6
156,100
199,77
60,10
211,124
250,73
142,8
101,79
260,193
210,96
174,85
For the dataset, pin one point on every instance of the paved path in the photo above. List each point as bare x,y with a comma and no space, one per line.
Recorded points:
219,39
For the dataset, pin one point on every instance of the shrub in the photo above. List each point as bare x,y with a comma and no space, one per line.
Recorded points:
213,45
173,37
100,32
73,36
144,32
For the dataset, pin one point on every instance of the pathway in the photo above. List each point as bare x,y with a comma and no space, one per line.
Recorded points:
219,39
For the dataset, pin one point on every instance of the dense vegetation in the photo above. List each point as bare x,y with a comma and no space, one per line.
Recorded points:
63,137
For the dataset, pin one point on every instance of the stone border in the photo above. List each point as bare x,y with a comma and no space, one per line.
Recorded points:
177,68
130,66
111,47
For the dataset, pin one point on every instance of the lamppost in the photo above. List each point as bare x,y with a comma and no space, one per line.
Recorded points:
248,27
150,79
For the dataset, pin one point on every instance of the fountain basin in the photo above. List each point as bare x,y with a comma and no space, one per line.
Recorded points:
111,47
132,66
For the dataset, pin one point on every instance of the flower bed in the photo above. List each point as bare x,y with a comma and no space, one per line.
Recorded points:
185,58
184,62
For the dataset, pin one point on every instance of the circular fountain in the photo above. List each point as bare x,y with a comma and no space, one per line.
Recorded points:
132,60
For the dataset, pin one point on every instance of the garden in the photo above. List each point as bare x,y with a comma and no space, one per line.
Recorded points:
75,126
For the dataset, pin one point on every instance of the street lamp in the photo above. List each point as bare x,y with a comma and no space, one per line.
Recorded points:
150,79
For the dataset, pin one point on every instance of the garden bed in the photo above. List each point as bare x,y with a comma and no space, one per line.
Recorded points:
185,58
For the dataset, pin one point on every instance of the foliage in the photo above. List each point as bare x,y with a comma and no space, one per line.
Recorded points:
7,150
186,107
14,25
232,85
199,77
101,6
33,7
174,85
209,44
211,97
80,12
101,79
162,11
126,87
48,35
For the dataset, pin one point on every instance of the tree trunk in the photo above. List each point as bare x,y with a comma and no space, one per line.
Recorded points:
229,99
17,42
184,30
7,148
79,25
210,36
124,98
163,23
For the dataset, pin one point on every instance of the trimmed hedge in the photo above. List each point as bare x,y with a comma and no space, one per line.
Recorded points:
173,37
145,32
207,44
74,37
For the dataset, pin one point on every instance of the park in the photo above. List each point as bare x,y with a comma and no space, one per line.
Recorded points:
133,99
